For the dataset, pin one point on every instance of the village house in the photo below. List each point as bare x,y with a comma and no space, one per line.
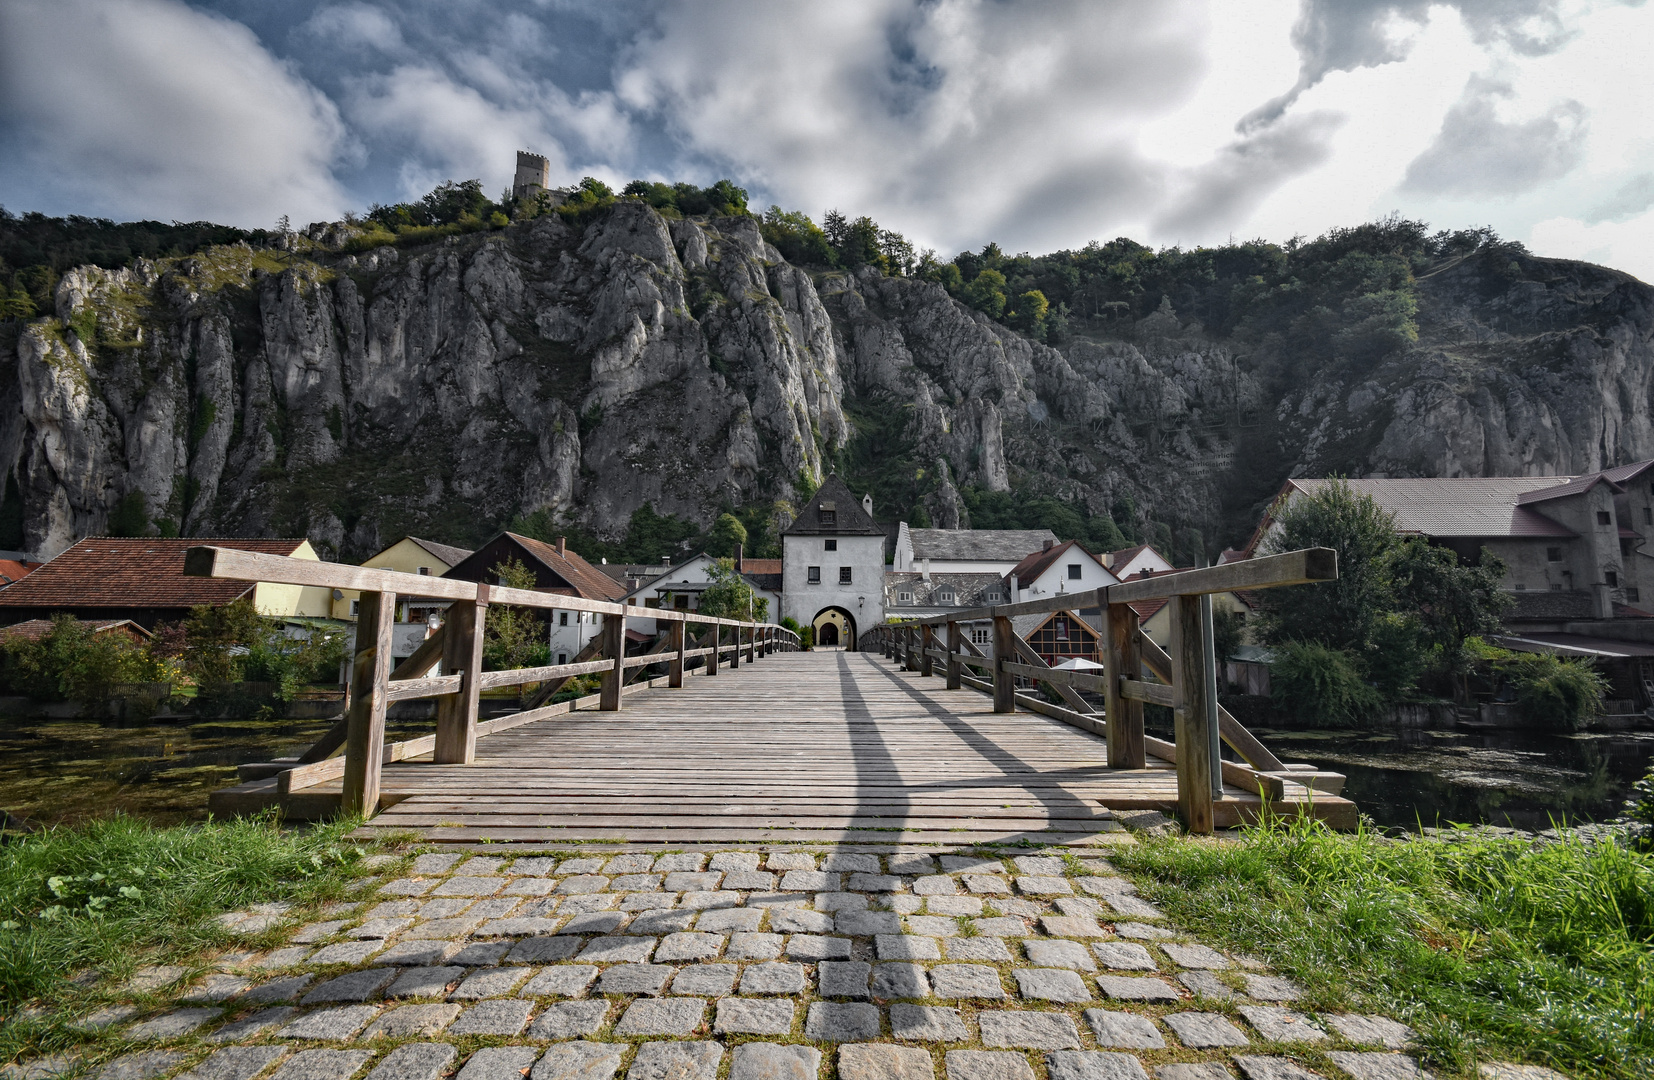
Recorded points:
680,587
965,551
108,579
1138,559
832,559
409,555
14,566
556,569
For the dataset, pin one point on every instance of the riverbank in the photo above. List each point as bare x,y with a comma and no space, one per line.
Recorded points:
1231,951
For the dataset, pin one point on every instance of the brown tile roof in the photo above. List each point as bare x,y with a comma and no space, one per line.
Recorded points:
588,581
1032,566
760,566
148,572
448,553
13,570
35,629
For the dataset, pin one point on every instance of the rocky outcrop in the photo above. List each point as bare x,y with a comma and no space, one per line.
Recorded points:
588,369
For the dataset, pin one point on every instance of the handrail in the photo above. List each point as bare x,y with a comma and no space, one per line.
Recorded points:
1128,653
458,646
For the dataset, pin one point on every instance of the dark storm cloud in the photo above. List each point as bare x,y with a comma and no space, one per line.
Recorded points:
1476,153
1343,35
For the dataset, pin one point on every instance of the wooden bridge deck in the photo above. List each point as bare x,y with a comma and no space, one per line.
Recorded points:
821,746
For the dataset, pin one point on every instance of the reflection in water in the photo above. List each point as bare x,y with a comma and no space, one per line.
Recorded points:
1519,778
61,770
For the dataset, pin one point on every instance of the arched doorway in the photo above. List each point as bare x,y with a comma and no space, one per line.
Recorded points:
835,628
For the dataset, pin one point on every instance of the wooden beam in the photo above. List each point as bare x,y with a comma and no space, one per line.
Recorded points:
954,635
370,671
1232,731
614,650
1063,686
1152,693
456,717
493,680
1122,665
1190,715
927,663
411,689
674,637
1004,684
550,685
716,645
1270,571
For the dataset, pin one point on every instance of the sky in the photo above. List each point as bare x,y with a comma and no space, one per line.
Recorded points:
1039,125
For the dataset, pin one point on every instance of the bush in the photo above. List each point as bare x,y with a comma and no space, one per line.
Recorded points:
71,662
1321,686
1555,692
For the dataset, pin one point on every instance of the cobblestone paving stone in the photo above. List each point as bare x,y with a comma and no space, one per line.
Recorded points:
632,963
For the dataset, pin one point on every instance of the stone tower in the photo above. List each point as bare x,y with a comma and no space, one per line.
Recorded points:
533,175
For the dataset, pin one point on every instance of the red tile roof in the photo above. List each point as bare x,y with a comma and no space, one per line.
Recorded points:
588,580
35,629
760,566
1032,566
148,572
14,570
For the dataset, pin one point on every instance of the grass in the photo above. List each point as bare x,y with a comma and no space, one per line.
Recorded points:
117,892
1490,949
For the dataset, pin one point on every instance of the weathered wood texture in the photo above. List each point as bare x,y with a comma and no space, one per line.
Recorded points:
811,746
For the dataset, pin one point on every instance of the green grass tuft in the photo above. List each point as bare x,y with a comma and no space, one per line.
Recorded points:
116,892
1491,949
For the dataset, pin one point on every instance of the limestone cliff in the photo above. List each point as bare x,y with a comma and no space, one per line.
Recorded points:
589,370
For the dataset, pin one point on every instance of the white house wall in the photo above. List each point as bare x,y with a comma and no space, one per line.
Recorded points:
863,598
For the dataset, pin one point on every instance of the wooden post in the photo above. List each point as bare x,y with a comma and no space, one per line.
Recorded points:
712,657
1122,658
674,671
1005,699
735,655
927,641
955,647
614,648
456,713
1189,715
913,648
365,732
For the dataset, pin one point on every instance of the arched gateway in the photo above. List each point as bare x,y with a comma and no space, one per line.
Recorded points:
835,626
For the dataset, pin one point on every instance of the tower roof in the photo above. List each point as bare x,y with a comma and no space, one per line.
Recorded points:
833,511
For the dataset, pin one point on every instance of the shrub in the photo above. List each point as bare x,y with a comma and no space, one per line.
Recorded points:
1555,692
1321,686
71,662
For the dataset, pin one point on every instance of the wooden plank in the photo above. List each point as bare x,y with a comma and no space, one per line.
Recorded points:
456,716
371,668
675,639
1153,693
1004,686
1266,572
1120,639
614,648
955,635
409,689
209,561
493,680
1190,714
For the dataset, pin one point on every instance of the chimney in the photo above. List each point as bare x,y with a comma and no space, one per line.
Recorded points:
867,504
737,558
562,545
924,569
1049,544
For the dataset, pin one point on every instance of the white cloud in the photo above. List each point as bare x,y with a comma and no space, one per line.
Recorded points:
1627,246
1480,152
147,108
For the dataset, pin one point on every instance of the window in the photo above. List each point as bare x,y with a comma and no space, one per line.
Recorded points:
829,517
1556,588
830,544
1631,596
681,602
651,601
355,608
979,636
1521,587
1073,571
944,597
991,596
813,576
424,571
562,618
1553,554
844,575
562,658
1062,629
1604,518
1648,515
905,597
1612,578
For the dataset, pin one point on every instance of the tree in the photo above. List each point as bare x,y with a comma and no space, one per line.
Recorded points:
730,596
727,531
1029,315
1450,600
514,637
986,293
1344,613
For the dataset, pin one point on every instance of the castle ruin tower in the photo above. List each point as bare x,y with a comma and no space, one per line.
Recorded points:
533,175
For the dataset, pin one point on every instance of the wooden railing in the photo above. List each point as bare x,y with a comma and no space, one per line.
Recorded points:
1187,674
457,646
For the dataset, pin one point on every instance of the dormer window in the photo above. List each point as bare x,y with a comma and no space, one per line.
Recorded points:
905,597
944,597
828,514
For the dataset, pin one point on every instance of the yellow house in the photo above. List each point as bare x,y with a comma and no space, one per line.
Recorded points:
1155,616
409,555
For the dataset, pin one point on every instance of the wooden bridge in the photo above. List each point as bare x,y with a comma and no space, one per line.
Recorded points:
744,738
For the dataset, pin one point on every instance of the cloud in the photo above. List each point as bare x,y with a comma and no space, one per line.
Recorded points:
1343,35
1633,197
1477,153
951,118
149,108
1224,192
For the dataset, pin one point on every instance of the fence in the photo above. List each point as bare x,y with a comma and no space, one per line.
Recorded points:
457,646
1187,682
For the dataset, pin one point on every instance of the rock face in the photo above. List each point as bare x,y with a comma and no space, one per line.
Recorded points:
589,370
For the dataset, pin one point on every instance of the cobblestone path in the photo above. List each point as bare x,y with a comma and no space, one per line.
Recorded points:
745,965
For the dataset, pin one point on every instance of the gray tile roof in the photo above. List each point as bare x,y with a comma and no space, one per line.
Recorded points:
448,553
1545,605
833,495
1459,506
967,589
984,545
